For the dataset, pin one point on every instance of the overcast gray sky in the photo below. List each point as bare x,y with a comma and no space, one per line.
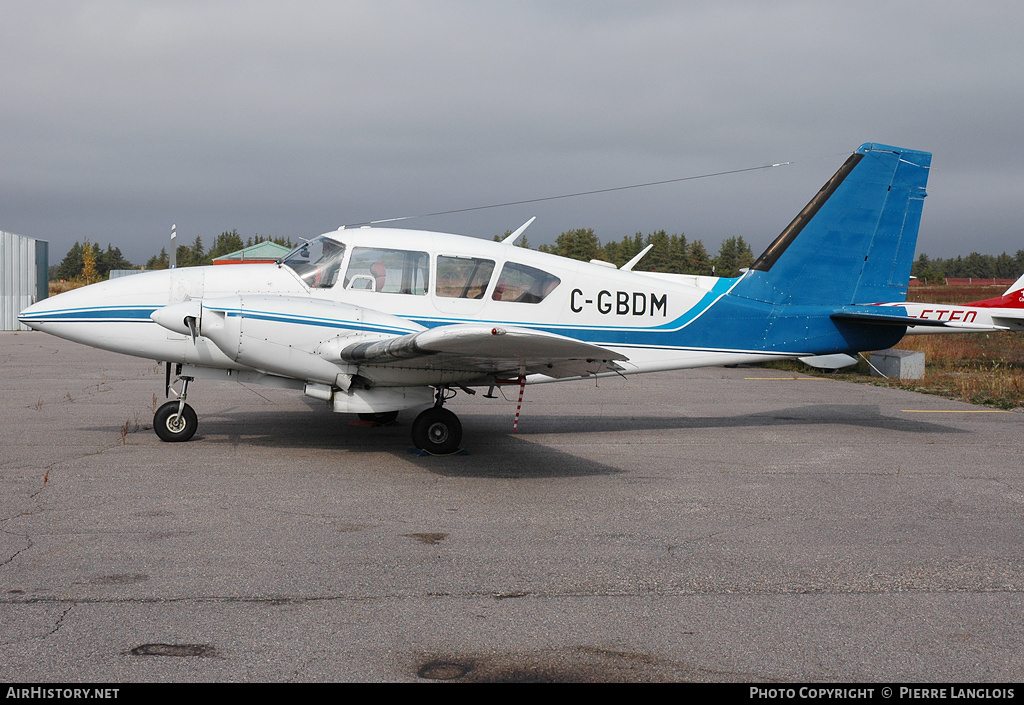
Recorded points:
118,119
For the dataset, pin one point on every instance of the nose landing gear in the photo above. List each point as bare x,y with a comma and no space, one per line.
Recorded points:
176,421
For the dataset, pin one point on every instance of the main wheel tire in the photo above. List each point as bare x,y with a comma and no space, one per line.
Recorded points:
174,428
437,431
382,419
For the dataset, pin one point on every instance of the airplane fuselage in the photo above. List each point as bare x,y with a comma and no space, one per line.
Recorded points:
658,321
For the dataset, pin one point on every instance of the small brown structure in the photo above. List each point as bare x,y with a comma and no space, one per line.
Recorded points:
266,252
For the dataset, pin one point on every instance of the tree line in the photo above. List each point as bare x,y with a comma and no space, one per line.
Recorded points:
669,253
87,261
672,254
974,265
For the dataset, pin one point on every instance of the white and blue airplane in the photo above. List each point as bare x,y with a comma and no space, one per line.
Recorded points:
378,320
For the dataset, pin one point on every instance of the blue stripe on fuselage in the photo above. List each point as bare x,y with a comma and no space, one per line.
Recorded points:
318,322
719,321
98,314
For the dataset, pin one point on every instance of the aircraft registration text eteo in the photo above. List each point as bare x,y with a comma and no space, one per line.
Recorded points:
620,303
954,315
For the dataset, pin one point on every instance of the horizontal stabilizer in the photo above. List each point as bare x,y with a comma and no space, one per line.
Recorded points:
883,319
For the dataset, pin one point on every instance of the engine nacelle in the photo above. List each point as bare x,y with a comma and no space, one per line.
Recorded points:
285,335
176,316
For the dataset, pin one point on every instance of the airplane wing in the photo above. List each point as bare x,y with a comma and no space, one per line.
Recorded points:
487,349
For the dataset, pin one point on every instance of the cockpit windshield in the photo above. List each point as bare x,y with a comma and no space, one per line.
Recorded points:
317,262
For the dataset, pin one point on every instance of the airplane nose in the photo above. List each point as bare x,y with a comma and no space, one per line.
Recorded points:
31,315
176,316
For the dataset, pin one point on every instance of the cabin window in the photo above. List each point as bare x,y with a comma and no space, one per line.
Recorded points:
388,271
462,277
317,262
523,284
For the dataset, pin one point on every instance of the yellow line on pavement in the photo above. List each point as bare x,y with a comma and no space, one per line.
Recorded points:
954,411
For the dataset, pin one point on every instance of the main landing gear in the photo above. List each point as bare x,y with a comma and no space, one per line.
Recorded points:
176,421
437,430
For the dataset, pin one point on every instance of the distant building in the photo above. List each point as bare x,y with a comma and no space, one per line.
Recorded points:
24,276
261,252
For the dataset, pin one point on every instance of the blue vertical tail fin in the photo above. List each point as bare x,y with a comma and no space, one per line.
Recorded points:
854,242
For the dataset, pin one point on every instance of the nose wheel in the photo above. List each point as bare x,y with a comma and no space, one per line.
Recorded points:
176,421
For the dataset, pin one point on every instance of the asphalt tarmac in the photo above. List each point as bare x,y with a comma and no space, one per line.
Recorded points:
705,525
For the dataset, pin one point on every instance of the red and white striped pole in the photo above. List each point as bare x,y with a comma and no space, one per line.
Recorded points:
522,386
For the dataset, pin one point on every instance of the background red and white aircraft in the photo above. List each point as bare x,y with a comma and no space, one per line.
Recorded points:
1002,313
